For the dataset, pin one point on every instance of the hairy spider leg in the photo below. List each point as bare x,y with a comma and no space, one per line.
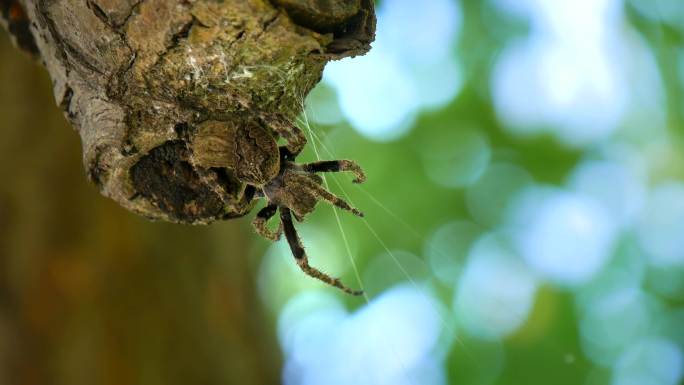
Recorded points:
324,194
292,134
261,220
336,166
301,258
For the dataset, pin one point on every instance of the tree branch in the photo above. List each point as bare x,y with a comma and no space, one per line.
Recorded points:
129,73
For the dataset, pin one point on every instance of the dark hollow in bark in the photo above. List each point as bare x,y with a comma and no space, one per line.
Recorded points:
166,177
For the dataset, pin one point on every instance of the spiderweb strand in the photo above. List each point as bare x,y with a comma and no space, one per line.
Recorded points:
313,137
416,234
449,328
337,215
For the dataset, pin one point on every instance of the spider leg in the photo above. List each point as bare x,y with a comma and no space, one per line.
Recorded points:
298,218
289,131
324,194
301,258
260,221
337,166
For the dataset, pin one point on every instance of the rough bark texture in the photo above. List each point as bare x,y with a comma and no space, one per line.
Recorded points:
134,76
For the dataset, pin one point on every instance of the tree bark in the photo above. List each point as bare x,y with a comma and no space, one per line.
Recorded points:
133,75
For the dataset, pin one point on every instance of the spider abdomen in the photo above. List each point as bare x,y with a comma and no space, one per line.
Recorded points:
248,151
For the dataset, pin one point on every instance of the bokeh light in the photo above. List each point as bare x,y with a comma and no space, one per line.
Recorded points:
394,267
457,158
566,237
565,76
447,249
496,291
489,198
615,186
670,326
614,319
389,341
411,67
662,225
650,361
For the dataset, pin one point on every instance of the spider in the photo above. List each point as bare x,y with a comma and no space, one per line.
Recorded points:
295,192
241,164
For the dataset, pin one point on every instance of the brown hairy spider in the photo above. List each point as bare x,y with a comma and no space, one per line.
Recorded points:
295,192
219,169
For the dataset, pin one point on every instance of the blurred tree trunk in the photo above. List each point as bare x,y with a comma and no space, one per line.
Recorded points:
91,294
